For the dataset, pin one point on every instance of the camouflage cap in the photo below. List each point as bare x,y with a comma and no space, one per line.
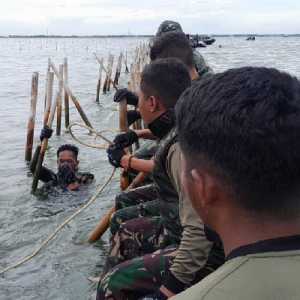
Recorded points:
167,26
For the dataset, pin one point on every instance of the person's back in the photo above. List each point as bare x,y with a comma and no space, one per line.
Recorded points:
267,275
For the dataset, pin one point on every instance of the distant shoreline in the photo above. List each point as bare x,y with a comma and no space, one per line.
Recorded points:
140,36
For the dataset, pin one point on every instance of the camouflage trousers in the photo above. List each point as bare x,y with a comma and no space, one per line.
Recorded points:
136,278
141,201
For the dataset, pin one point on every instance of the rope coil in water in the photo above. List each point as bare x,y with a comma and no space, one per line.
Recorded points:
82,208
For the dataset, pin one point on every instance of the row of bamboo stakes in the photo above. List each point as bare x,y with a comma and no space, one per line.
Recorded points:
64,95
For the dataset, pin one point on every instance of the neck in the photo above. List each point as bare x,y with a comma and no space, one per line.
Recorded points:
193,74
244,231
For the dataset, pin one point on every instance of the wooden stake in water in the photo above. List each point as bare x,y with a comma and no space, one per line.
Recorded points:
66,96
73,98
110,71
44,146
99,82
118,69
31,120
59,99
49,95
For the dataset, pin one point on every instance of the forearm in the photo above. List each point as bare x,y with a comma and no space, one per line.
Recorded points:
145,134
137,164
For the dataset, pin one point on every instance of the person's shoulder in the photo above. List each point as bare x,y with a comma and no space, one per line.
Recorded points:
212,287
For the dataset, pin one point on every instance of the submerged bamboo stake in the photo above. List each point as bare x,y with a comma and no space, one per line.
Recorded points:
44,146
103,224
59,99
73,98
31,120
49,95
66,95
99,81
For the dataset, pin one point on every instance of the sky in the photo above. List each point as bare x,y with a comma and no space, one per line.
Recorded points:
100,17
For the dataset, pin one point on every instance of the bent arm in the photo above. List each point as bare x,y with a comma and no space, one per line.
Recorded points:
140,165
145,134
194,247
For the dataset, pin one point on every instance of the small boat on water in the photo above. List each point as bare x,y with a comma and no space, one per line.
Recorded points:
250,38
200,41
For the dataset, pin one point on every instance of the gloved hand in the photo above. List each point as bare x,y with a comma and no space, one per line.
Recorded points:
46,132
124,140
115,155
131,98
132,116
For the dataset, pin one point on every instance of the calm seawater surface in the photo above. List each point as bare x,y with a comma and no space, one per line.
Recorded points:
62,269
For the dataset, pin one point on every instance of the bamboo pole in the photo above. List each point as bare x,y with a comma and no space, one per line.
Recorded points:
118,69
44,146
123,126
103,224
99,81
59,100
46,88
66,95
49,95
31,120
104,69
110,71
73,98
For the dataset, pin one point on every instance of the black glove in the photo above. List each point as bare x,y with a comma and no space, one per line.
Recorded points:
124,140
132,116
115,155
131,98
46,132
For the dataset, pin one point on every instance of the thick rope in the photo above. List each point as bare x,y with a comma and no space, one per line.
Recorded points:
91,130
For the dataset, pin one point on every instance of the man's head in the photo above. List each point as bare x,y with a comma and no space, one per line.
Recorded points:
67,155
173,44
168,26
240,136
162,82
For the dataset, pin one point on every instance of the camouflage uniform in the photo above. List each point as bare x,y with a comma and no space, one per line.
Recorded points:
136,278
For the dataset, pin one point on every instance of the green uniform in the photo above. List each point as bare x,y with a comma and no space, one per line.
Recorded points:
265,270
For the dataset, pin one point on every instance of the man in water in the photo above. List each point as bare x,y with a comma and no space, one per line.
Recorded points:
67,177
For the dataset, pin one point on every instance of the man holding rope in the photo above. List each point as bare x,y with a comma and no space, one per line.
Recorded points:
67,176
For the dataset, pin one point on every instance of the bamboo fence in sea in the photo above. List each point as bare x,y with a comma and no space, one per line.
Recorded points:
64,95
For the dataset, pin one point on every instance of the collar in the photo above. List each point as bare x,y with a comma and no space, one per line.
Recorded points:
161,126
287,243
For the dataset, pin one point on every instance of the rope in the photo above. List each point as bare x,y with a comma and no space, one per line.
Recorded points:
82,208
91,130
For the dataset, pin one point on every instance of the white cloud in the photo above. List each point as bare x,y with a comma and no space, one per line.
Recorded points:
116,16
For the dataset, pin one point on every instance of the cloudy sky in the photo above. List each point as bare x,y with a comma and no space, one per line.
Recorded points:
87,17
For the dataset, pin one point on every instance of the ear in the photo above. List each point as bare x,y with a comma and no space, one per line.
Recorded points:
153,104
206,187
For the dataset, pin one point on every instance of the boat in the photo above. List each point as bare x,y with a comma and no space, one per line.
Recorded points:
200,41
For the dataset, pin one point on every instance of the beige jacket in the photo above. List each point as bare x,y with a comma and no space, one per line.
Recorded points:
194,247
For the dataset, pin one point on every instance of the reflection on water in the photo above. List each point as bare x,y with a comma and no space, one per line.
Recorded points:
61,271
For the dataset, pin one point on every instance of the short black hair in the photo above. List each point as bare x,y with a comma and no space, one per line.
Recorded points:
244,125
68,147
173,44
166,79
